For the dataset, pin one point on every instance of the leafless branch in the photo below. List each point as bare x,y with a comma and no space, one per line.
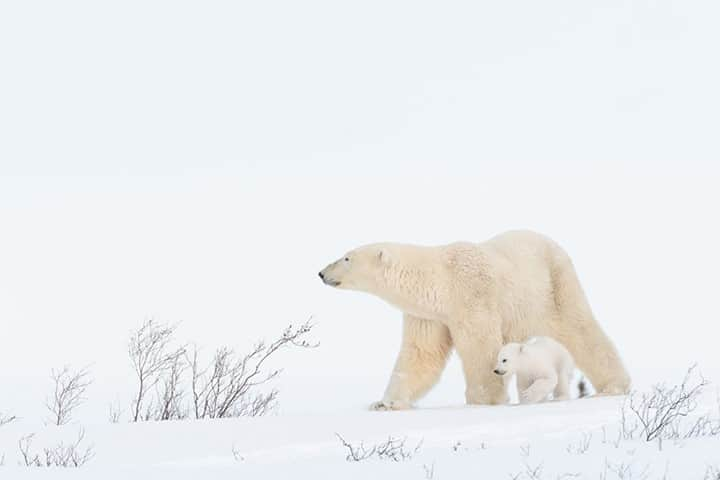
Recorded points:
712,473
224,387
29,459
5,419
533,473
626,471
152,356
237,454
657,415
393,449
114,412
60,455
525,450
69,392
582,445
170,392
229,385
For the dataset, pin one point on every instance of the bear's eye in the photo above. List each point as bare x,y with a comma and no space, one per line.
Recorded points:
504,360
347,259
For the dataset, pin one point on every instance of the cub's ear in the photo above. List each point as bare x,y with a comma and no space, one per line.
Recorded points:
384,256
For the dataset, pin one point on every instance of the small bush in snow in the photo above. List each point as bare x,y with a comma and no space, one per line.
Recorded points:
393,449
661,413
60,455
624,471
429,471
582,445
712,473
227,386
156,362
5,419
69,388
528,472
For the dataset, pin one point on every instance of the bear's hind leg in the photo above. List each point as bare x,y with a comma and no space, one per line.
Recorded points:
425,348
540,389
596,357
576,328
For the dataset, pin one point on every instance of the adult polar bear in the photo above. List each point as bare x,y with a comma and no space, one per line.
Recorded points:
476,297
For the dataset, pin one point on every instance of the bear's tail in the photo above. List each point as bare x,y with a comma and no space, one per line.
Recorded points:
583,388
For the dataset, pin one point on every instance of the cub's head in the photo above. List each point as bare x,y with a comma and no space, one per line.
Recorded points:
359,269
507,361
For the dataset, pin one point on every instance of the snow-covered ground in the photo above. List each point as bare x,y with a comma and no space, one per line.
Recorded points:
578,439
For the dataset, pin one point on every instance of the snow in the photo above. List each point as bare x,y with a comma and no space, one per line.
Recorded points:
458,442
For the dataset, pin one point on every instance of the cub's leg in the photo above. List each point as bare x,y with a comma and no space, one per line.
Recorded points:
540,389
562,389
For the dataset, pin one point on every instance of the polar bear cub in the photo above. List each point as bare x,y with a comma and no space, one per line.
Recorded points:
542,367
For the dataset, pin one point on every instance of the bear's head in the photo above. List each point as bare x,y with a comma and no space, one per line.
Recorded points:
508,359
360,269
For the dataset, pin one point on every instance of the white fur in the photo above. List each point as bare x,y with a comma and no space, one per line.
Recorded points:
542,367
474,298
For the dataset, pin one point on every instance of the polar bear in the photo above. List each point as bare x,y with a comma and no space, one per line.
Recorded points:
542,367
475,297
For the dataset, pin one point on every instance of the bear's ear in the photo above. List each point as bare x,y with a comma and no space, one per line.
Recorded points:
383,256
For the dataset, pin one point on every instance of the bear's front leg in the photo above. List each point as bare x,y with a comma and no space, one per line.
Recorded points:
478,349
540,389
423,355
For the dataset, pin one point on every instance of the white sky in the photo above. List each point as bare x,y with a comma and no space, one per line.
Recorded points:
199,162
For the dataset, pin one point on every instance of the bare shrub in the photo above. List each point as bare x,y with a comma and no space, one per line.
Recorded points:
704,426
625,471
5,419
712,473
530,472
229,385
534,473
224,387
582,446
69,388
237,454
152,355
660,413
525,450
170,394
393,449
114,412
24,445
256,405
60,455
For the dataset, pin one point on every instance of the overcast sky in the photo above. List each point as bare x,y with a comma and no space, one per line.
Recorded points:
200,162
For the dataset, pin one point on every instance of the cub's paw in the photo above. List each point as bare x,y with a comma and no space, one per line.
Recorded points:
386,405
532,396
612,390
525,397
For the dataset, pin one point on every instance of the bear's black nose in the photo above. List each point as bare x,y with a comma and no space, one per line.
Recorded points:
321,275
496,371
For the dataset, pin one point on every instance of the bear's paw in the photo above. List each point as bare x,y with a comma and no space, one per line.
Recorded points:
387,405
